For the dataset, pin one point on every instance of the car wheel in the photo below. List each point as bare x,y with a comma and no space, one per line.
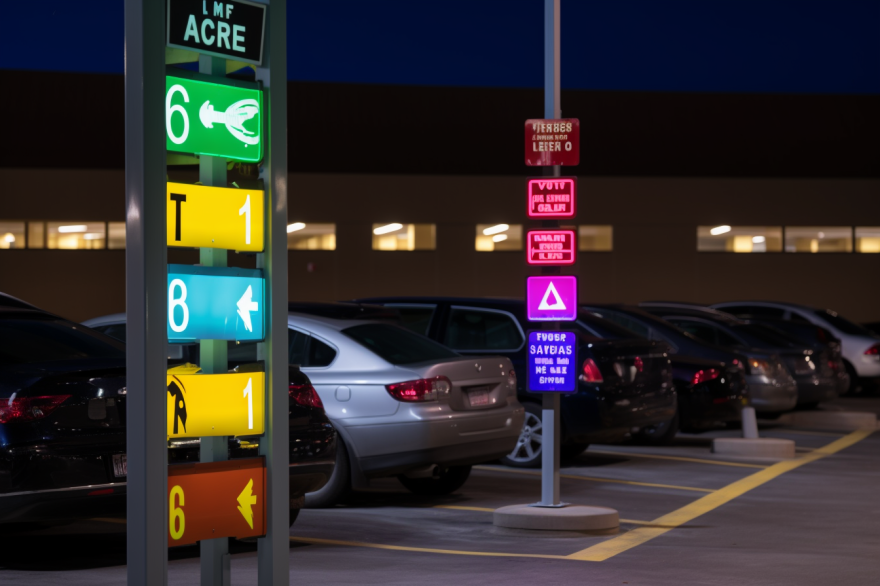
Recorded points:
294,513
339,484
572,450
855,386
527,452
661,434
450,479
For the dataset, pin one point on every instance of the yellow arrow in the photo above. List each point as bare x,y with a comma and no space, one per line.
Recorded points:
246,500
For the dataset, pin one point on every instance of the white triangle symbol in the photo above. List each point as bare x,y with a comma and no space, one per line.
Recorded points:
555,306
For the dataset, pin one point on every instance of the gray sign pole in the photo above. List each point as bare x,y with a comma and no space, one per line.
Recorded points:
145,281
550,402
273,553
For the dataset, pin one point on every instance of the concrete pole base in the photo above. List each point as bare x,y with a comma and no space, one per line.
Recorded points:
834,420
754,448
568,518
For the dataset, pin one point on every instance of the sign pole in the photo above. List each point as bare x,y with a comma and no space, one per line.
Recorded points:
273,553
550,401
145,256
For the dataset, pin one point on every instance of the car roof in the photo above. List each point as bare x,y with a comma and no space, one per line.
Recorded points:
764,303
344,310
10,301
692,310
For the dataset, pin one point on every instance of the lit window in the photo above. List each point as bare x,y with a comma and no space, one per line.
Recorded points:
302,236
11,234
724,238
818,239
116,235
75,235
36,236
396,236
868,239
495,237
595,238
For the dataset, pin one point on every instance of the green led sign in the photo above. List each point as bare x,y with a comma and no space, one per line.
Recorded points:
213,119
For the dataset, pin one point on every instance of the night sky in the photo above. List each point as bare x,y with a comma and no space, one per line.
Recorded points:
764,46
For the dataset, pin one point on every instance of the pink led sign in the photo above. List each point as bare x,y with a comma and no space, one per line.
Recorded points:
553,142
551,247
551,298
552,198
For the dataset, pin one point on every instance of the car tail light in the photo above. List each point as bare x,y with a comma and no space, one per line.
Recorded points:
423,389
833,365
591,372
820,335
640,366
760,367
873,350
511,378
29,408
704,376
305,396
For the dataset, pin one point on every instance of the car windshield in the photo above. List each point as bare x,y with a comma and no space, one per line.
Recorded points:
762,336
603,328
843,324
398,345
29,341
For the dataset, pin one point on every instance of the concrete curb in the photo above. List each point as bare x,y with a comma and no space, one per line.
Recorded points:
754,448
567,518
834,420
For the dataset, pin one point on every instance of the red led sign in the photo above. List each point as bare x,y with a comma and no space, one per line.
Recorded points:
553,142
551,247
552,197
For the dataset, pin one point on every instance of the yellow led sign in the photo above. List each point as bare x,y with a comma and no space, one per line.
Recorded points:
215,404
214,217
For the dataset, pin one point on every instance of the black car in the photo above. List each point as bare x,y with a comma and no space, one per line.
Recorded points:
62,424
624,385
816,380
709,381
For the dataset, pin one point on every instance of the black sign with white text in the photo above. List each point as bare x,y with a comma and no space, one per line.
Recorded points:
232,29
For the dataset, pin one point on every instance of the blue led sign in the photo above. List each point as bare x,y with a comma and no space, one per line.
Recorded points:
552,361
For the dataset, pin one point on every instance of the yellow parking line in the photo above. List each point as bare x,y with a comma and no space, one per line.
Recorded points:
488,510
804,432
612,547
680,458
316,541
597,479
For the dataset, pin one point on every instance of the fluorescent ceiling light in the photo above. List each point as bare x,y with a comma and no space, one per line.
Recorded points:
496,229
758,239
499,238
719,230
295,226
387,228
74,228
93,236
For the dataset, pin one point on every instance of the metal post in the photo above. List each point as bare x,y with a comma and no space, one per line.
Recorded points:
550,408
145,256
273,553
213,356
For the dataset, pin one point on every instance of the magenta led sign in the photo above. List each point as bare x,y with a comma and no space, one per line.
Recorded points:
552,198
551,298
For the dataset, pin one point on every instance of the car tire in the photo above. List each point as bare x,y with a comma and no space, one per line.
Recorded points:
527,452
855,386
661,434
572,450
294,513
339,484
450,479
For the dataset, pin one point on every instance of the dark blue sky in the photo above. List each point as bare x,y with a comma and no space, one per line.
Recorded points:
786,46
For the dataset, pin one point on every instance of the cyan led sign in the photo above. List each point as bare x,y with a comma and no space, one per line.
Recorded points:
215,303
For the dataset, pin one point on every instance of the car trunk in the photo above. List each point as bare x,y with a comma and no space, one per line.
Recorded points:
630,367
478,383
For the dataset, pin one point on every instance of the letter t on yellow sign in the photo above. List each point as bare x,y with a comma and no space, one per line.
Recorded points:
214,217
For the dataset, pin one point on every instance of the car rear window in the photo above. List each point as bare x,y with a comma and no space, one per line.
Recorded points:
842,324
604,328
760,335
398,345
29,341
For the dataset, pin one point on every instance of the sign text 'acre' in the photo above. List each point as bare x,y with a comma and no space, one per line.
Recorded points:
552,298
201,405
552,198
214,119
553,142
216,499
214,217
551,247
215,303
231,29
552,361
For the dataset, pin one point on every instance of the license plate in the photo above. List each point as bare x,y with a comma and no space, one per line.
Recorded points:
120,466
478,398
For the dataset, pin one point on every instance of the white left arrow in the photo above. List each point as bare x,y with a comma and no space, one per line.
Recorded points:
245,307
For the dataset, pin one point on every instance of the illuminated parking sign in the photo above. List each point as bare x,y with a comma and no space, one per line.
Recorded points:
552,198
552,361
199,216
231,29
552,298
553,142
551,247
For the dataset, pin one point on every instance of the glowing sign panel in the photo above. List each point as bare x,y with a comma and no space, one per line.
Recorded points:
215,404
551,247
231,29
551,298
213,119
214,217
552,361
214,303
216,499
553,142
552,198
